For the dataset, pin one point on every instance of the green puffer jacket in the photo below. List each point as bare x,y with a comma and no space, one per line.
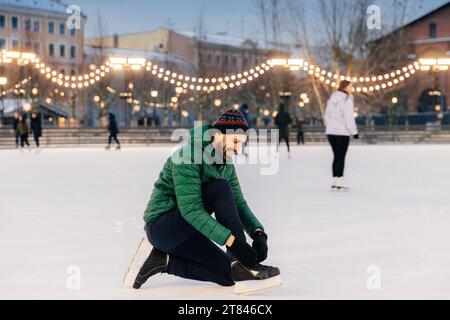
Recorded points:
180,186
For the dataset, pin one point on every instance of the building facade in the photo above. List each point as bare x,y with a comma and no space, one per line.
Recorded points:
428,37
40,27
208,54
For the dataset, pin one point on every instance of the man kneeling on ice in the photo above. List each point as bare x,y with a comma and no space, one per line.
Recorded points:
179,222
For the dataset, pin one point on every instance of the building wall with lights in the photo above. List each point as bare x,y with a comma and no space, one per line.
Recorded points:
209,54
40,27
429,37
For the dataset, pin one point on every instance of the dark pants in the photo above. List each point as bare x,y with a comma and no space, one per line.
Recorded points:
300,138
192,255
24,140
36,136
17,138
286,139
339,144
112,136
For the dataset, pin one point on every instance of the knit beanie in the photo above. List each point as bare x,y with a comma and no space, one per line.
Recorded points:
231,120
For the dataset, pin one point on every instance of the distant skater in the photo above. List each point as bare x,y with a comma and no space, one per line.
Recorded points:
283,120
300,131
113,129
22,130
36,128
16,122
340,126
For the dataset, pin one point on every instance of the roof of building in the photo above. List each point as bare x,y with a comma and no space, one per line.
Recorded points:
415,21
446,5
42,5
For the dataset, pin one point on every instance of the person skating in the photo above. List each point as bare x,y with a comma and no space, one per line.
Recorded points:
15,124
283,120
36,128
22,130
113,129
340,126
300,131
179,221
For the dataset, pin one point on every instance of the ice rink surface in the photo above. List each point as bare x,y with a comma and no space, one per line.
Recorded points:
84,207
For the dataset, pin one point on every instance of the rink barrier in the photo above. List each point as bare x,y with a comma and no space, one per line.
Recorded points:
95,137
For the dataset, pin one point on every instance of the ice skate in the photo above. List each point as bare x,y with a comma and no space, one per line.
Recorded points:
147,262
341,187
334,183
253,280
108,148
118,148
156,263
142,252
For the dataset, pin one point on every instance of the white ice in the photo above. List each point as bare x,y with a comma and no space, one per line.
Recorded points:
84,207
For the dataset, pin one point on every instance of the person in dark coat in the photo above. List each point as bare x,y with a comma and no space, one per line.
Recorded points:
36,127
113,129
22,130
283,120
16,121
300,131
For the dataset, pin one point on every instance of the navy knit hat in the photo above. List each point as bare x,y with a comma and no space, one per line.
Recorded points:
231,120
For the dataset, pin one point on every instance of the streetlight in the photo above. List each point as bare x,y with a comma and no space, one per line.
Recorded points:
3,81
394,100
434,66
218,103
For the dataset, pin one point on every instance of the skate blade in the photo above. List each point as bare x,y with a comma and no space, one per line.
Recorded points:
339,190
256,286
140,256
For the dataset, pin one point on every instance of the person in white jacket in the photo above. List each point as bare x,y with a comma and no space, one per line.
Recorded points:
340,126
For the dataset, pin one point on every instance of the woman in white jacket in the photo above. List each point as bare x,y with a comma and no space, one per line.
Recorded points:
340,126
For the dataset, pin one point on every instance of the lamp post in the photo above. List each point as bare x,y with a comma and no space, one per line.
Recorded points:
154,94
434,66
3,82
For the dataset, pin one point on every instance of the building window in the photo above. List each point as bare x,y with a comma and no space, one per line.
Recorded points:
2,44
2,21
37,26
51,27
209,58
73,72
15,44
51,50
37,47
62,29
28,45
28,24
62,51
433,30
73,32
73,52
15,23
234,62
218,59
226,61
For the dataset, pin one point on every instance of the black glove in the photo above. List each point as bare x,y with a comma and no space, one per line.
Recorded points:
243,253
356,136
260,245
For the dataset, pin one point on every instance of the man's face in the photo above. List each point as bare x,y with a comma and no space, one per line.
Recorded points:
230,144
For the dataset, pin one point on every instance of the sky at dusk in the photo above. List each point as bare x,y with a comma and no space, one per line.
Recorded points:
236,17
